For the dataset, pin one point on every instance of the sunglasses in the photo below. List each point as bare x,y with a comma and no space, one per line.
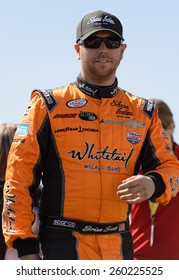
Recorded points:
95,42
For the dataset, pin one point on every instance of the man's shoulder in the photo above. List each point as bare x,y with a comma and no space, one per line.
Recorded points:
47,97
147,106
51,96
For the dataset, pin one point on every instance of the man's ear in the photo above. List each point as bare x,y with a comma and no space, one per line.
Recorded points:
77,49
123,48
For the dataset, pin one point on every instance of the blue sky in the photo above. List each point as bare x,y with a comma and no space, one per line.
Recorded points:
36,49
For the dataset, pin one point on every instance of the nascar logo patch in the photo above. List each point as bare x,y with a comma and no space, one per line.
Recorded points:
133,137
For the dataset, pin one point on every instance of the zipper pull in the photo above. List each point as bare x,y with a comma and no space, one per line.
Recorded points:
152,231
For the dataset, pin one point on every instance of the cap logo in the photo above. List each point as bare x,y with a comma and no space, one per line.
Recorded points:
100,19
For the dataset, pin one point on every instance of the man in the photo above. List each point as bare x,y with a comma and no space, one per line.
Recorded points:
86,141
155,232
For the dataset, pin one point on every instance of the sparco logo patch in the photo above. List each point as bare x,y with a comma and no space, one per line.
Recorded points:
49,99
64,223
77,103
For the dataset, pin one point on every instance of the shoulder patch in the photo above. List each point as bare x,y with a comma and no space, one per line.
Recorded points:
148,107
47,95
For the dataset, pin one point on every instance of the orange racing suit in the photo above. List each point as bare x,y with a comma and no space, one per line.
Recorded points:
82,141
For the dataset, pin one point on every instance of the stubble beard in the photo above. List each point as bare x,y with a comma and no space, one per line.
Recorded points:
102,75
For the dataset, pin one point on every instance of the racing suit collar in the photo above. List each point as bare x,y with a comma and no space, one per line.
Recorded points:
97,91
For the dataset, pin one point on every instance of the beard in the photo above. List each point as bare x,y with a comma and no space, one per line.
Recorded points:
98,72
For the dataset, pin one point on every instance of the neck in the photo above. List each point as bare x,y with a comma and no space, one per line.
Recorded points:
97,91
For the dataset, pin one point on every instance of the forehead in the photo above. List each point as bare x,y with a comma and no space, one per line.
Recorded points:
103,34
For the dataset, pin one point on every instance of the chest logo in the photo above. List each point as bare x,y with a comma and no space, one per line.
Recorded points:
87,116
76,103
133,137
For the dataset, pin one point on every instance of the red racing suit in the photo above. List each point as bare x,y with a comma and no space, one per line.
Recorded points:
155,235
82,141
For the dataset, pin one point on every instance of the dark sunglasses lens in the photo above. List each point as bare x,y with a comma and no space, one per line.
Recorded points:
110,44
94,43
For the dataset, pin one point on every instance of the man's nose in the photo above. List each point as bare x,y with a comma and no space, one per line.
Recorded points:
103,48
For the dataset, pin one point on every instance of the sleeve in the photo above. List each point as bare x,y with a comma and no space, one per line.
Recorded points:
23,176
160,163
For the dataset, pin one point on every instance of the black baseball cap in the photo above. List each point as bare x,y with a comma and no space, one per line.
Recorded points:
98,21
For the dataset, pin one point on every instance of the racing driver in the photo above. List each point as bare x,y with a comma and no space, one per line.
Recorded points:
86,141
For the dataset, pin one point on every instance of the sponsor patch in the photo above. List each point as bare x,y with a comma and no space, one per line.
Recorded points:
26,113
122,109
77,129
174,183
148,107
49,99
133,137
77,103
64,116
23,129
21,140
91,152
130,123
87,116
164,134
102,167
9,203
